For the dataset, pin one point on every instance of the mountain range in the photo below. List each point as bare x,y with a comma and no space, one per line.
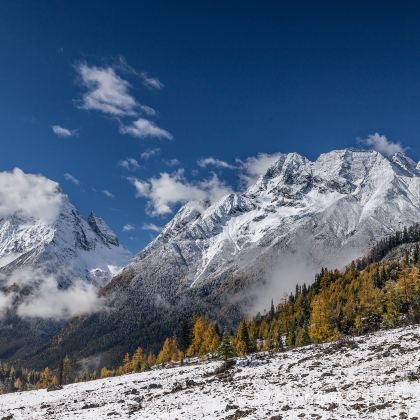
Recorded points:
86,249
224,258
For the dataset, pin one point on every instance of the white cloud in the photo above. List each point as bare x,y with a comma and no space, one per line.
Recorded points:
69,177
151,82
143,128
171,162
254,167
142,187
128,228
211,161
148,153
62,131
6,302
167,190
108,194
130,164
148,110
46,299
151,226
52,302
382,145
29,195
106,91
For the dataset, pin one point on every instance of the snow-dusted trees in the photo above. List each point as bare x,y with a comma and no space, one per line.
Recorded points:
367,295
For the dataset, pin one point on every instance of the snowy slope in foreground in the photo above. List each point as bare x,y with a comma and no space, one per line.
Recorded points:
317,382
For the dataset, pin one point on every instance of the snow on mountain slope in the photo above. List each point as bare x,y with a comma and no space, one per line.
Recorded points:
233,256
321,213
372,377
64,245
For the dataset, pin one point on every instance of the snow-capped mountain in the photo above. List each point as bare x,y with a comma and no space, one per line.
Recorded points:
67,246
325,212
235,255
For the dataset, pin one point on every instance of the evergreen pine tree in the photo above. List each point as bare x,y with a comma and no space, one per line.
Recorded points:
272,310
279,340
60,373
66,370
242,342
183,337
225,350
302,337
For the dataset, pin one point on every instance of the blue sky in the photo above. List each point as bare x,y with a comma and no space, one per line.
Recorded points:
226,80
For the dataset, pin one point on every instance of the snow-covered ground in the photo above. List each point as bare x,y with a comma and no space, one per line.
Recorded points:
373,377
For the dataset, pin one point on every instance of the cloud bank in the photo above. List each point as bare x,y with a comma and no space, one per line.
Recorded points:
29,195
168,190
254,167
46,299
382,145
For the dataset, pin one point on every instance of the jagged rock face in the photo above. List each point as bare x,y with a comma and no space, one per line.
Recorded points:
329,211
221,258
68,246
99,226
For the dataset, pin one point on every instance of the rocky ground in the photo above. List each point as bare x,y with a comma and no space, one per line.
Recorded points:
376,376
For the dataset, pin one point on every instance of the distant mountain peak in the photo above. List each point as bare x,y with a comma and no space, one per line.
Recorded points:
240,252
82,249
102,229
342,203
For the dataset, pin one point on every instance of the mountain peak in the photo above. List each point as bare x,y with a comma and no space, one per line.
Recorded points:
343,201
53,237
102,230
405,162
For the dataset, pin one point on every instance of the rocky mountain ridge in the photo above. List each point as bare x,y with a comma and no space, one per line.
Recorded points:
328,211
233,256
68,246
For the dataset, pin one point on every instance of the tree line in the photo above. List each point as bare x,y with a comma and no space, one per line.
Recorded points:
369,294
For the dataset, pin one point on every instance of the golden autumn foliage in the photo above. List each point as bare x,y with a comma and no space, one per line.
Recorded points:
205,338
169,352
47,379
366,296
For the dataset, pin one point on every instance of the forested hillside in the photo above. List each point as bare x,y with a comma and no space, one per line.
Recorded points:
372,293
